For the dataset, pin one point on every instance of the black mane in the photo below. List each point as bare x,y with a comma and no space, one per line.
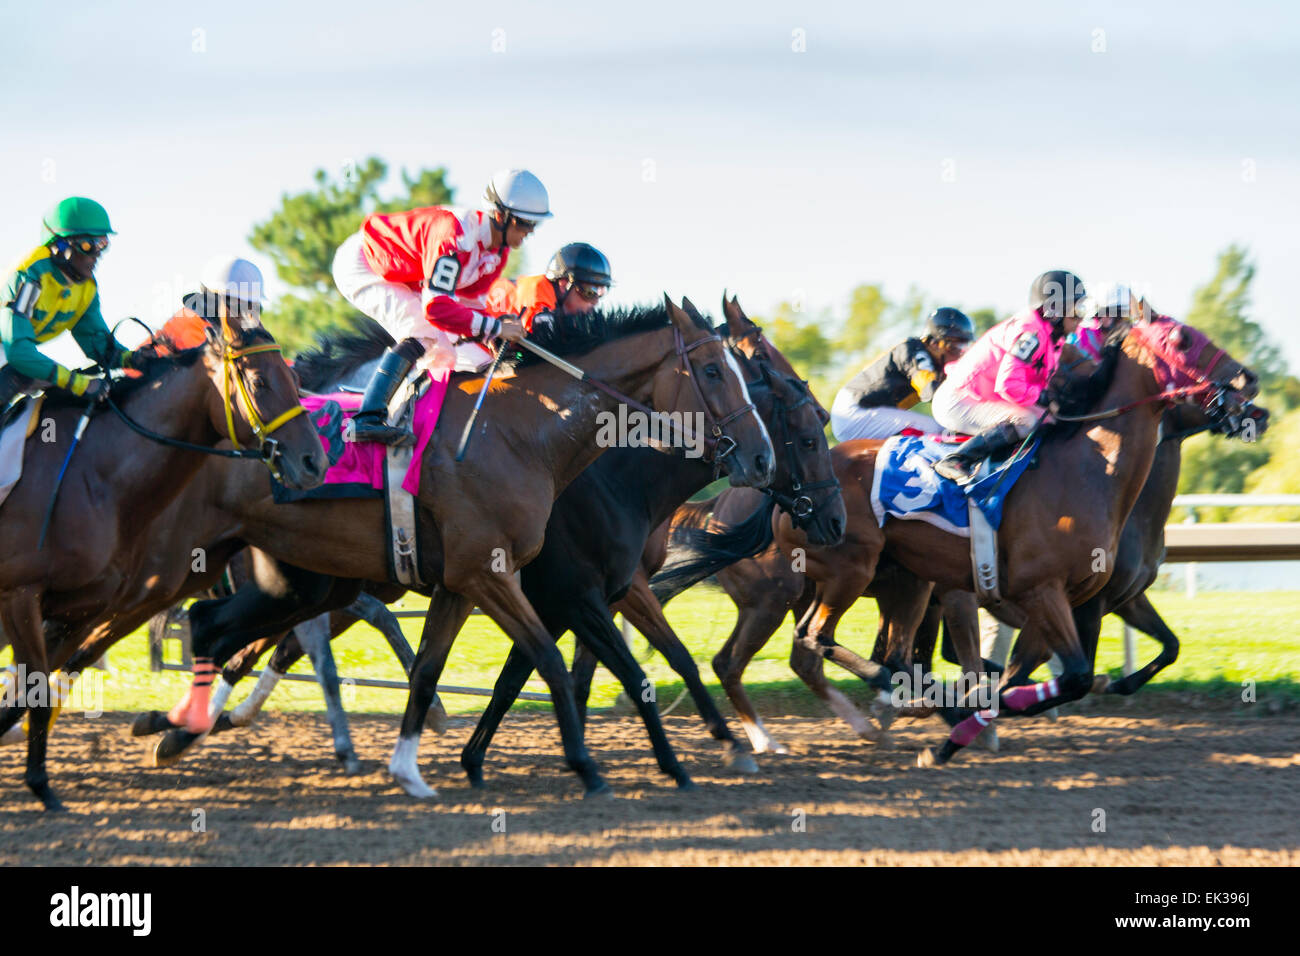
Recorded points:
340,351
575,334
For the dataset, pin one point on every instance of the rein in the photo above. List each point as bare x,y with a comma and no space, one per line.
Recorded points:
268,449
718,439
1168,395
800,505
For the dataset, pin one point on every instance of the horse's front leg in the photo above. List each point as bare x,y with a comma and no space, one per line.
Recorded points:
447,614
20,616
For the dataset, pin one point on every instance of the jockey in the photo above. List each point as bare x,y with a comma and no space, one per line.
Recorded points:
1115,305
423,275
52,290
229,287
992,391
874,403
576,279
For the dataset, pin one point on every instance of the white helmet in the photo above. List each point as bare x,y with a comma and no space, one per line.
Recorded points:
1116,302
520,193
233,278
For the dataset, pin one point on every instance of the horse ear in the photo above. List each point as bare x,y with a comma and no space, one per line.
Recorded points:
677,316
737,322
689,308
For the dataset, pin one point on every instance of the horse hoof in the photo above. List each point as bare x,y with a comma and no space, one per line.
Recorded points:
742,762
600,791
988,739
222,723
173,747
415,787
926,758
151,722
45,794
1100,683
685,783
351,765
437,720
870,732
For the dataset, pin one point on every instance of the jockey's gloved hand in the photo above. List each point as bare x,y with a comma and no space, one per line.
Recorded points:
512,330
97,390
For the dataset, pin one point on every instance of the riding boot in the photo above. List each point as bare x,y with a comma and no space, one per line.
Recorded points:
960,465
371,422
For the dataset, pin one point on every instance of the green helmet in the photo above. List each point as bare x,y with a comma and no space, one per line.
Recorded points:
76,216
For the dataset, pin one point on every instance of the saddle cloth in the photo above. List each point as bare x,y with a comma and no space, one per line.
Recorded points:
905,484
359,469
18,423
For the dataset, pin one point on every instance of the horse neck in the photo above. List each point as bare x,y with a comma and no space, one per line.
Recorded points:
1127,442
656,482
175,406
627,365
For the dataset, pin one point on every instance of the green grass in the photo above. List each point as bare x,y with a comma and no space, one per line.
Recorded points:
1226,638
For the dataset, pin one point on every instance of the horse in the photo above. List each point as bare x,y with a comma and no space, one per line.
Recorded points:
126,468
545,429
598,530
1060,527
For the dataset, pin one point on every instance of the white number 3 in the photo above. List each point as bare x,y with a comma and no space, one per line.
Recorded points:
445,273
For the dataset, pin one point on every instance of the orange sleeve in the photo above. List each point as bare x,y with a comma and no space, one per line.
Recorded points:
501,298
534,294
185,330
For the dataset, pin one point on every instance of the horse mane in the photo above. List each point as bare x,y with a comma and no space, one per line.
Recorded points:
572,334
1080,395
340,351
151,367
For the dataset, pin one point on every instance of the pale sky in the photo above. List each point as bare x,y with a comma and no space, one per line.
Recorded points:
778,150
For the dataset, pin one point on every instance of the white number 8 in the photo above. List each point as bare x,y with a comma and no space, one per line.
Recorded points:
445,273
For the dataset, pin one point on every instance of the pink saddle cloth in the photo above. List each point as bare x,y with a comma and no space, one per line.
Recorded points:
362,463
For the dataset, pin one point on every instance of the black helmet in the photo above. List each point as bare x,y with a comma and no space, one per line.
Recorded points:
1057,294
951,324
580,262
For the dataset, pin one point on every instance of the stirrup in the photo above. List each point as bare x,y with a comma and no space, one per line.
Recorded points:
371,427
955,468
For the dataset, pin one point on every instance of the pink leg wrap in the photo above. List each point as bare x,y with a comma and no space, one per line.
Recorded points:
970,728
1019,698
196,722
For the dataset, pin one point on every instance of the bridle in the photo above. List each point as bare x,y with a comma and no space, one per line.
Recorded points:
798,504
718,442
1172,366
268,450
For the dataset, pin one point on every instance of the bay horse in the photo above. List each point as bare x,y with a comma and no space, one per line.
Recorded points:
1060,528
598,530
482,519
126,469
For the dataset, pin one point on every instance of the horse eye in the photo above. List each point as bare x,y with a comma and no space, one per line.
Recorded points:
809,444
712,371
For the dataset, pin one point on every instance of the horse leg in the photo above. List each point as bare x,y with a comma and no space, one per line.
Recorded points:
594,627
759,616
962,630
902,603
374,612
20,616
643,610
279,597
511,681
314,637
583,671
1140,614
1051,626
501,596
808,662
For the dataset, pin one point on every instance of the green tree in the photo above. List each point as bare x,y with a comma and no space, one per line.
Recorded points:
1280,475
802,340
1221,308
868,309
983,319
302,235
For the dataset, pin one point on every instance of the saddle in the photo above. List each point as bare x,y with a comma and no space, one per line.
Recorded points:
17,423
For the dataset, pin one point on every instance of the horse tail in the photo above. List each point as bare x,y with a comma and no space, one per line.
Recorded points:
694,553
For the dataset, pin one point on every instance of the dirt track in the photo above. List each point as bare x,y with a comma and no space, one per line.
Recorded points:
1193,789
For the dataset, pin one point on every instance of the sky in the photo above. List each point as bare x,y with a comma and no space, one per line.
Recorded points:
780,151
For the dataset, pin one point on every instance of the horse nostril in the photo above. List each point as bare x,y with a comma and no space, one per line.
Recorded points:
311,465
837,527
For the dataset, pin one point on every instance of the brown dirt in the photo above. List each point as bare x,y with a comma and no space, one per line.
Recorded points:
1183,789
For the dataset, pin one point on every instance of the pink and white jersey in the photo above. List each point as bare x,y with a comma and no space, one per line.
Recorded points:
1011,362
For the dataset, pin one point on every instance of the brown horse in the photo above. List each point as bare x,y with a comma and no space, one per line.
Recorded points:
483,518
1060,527
126,468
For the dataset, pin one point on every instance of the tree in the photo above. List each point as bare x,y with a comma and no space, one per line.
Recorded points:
302,236
983,320
1220,309
801,341
1280,475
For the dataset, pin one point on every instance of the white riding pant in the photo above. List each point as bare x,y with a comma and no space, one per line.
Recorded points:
393,305
970,417
850,421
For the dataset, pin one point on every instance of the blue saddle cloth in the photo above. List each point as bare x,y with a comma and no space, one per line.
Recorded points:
906,485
